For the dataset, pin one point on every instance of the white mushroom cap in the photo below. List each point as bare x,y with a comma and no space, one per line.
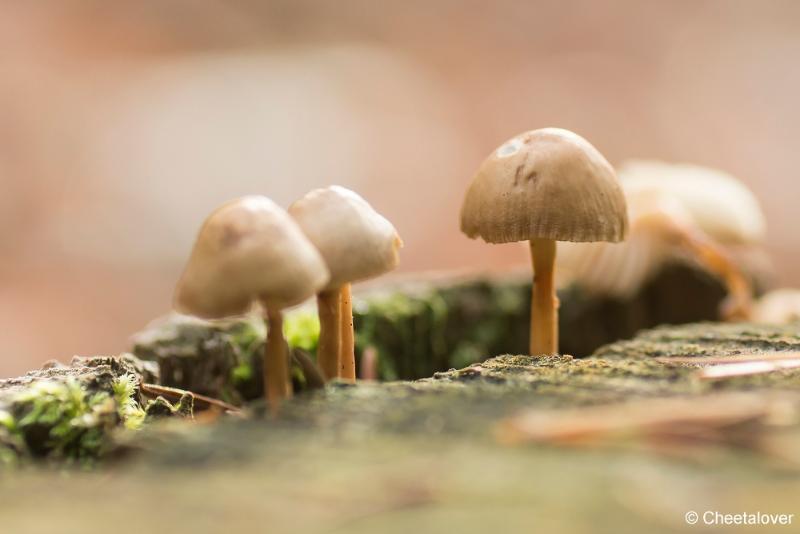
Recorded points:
355,241
719,204
550,184
249,249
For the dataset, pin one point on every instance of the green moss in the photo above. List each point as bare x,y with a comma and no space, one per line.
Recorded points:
419,332
160,408
130,412
241,375
68,414
301,328
11,443
63,420
220,359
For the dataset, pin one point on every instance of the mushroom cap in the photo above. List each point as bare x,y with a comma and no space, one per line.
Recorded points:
249,249
549,183
718,203
355,241
657,213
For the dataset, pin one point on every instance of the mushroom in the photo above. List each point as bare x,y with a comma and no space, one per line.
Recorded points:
720,205
676,212
779,306
356,243
545,186
250,250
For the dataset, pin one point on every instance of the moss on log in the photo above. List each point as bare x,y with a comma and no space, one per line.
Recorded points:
429,454
417,329
70,415
425,455
67,413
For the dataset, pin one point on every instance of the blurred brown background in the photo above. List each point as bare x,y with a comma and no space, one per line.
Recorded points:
123,124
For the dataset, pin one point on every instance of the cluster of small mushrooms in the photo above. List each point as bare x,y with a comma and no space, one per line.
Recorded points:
250,250
541,186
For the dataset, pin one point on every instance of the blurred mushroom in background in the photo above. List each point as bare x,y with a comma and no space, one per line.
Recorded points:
780,306
678,213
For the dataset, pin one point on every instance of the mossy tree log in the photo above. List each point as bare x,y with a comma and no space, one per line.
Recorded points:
425,455
417,329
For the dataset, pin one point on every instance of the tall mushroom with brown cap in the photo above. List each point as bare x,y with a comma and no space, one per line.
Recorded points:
356,243
545,186
250,250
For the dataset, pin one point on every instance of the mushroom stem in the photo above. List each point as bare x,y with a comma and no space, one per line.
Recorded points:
347,358
738,305
544,303
369,364
277,385
330,332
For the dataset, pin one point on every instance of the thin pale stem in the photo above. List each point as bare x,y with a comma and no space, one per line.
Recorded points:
330,333
369,364
544,303
277,384
347,355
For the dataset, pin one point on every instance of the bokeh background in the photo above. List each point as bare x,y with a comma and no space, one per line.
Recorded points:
122,124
